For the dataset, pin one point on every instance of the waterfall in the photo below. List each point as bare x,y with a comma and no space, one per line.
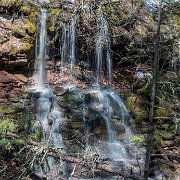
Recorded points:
103,57
41,49
72,42
68,44
64,47
49,115
109,106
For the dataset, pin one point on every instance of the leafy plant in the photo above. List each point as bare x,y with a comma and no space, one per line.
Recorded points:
138,140
6,126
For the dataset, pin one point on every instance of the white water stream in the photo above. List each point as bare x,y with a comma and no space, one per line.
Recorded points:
49,114
41,51
68,44
103,58
107,103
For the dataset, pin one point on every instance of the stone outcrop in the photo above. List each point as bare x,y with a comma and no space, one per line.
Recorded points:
10,85
17,34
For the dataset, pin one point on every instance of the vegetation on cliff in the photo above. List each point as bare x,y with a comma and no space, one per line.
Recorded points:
138,39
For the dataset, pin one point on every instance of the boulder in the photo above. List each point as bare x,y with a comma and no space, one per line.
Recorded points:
6,77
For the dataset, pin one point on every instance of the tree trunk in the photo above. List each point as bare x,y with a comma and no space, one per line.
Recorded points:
155,68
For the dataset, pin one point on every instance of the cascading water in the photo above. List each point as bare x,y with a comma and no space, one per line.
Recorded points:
103,57
64,47
73,42
109,107
68,44
107,103
41,49
48,113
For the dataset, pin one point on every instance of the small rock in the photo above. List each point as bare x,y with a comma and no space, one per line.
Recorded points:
22,78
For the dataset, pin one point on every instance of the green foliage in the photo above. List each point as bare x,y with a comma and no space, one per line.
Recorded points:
138,140
157,139
175,128
6,126
5,144
145,89
36,136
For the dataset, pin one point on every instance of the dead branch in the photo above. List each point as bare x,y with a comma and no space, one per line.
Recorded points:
107,166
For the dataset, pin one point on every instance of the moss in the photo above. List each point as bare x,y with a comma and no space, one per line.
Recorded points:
146,89
25,9
18,32
11,2
36,136
28,39
175,128
166,135
55,11
177,141
31,10
163,112
164,108
30,26
26,46
52,28
135,106
6,109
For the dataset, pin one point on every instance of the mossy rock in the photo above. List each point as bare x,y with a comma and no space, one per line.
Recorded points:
30,26
164,108
24,48
6,109
52,28
19,32
15,98
163,112
28,39
135,106
166,135
55,11
25,9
